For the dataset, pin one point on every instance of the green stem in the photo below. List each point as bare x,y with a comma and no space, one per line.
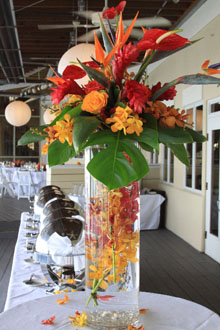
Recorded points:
144,66
113,263
93,293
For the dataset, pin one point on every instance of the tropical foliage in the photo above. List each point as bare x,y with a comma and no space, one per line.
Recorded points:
116,108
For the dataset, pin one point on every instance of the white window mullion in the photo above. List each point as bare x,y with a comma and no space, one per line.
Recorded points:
168,165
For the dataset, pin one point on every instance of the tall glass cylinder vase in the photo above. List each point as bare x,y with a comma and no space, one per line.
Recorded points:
112,253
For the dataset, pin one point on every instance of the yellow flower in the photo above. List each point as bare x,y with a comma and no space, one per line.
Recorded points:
79,320
119,119
64,129
134,125
74,98
94,102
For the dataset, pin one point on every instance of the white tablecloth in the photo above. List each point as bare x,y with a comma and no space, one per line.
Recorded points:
150,211
164,313
38,179
18,292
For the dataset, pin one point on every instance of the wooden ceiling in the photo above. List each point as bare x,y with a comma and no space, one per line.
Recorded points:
26,59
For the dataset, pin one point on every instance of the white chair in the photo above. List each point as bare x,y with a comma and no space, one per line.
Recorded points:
5,186
25,183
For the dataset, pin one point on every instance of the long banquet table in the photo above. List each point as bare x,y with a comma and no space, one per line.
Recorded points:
26,306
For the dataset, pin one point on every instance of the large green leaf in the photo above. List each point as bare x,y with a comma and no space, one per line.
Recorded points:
33,135
59,153
180,152
138,160
145,147
72,111
151,121
110,166
197,137
174,135
148,136
83,127
95,74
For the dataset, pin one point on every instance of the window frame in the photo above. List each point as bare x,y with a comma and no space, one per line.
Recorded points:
168,164
194,107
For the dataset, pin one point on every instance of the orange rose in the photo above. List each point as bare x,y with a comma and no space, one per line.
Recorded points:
94,102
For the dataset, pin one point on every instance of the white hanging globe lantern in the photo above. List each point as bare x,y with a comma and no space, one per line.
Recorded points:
48,116
83,52
18,113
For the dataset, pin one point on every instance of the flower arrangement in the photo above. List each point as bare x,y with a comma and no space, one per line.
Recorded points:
116,108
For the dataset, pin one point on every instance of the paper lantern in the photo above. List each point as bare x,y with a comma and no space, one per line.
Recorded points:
18,113
48,116
81,51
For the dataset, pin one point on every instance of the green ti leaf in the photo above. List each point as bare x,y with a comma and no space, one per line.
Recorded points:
59,153
83,127
192,79
95,74
180,152
175,135
110,166
105,37
33,135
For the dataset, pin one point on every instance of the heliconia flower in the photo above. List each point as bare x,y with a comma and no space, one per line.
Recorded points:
68,87
167,95
153,40
210,69
92,86
137,94
64,300
49,321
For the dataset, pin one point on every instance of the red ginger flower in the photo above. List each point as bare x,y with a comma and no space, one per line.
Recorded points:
137,94
123,58
92,86
68,87
171,42
167,95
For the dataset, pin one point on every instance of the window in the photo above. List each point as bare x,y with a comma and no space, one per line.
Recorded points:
167,165
193,174
9,136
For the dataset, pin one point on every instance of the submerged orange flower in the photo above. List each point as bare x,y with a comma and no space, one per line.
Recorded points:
94,102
